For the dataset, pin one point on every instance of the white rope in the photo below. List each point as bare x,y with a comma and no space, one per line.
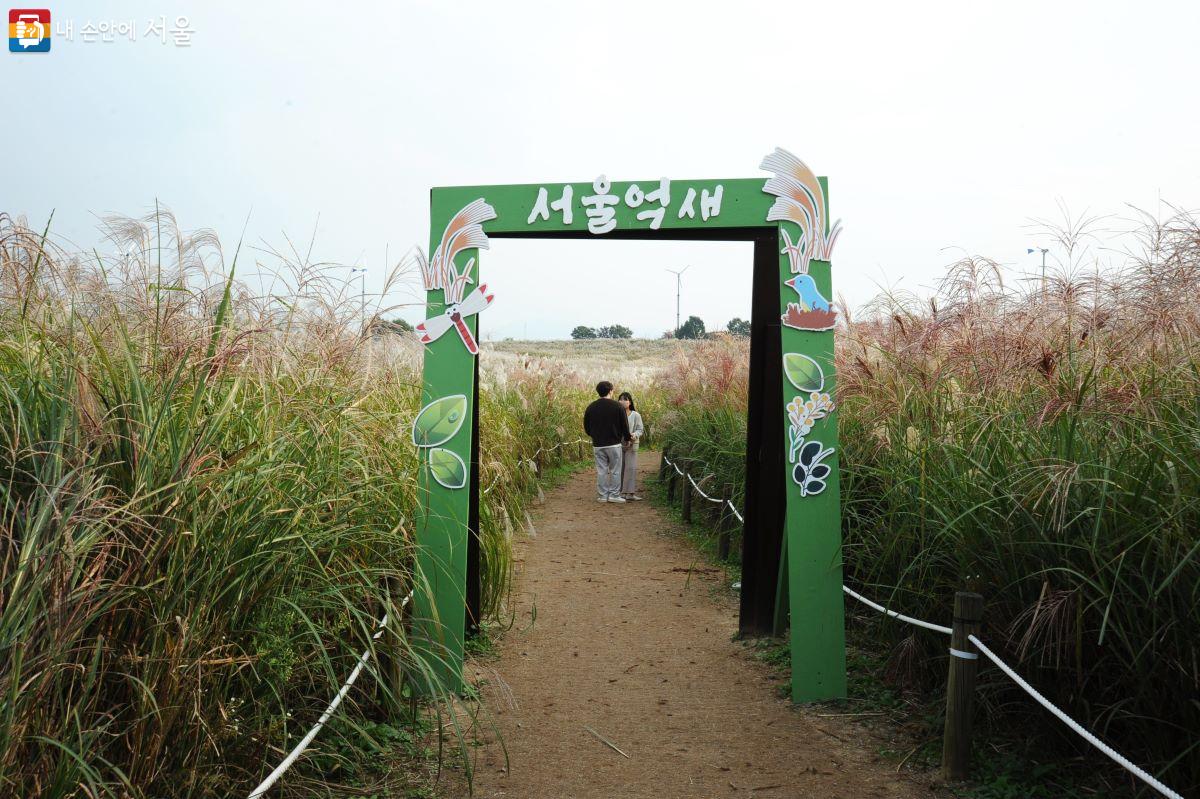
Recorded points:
1115,756
559,444
927,625
681,473
534,459
274,776
298,750
700,491
1074,725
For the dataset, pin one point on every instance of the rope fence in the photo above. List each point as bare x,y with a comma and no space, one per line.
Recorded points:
534,458
700,491
299,748
1114,755
959,692
937,628
381,626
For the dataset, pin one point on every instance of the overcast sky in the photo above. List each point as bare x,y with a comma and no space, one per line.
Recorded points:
943,127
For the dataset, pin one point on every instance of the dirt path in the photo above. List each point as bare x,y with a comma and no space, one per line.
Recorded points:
623,643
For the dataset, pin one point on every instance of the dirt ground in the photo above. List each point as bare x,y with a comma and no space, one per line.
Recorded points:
617,646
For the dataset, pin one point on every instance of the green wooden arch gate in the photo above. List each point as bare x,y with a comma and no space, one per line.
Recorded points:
792,499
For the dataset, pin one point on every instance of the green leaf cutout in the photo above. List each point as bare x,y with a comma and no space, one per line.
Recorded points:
803,372
447,468
439,421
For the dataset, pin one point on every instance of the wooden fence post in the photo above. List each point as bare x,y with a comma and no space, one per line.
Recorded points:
662,464
724,524
686,487
391,666
538,460
960,687
716,511
672,480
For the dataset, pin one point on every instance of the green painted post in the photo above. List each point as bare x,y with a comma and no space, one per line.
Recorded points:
439,600
813,528
782,595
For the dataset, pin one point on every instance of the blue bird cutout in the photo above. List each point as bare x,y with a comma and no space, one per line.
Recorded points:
810,298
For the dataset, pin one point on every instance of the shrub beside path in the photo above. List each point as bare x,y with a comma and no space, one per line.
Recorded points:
617,646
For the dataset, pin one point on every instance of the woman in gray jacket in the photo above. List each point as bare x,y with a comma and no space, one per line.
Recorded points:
629,452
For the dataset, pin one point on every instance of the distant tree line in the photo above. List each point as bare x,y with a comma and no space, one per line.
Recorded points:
694,328
738,327
608,331
395,326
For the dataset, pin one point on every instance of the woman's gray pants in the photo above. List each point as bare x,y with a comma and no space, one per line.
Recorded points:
629,470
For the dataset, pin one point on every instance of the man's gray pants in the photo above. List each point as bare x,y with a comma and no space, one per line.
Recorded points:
608,471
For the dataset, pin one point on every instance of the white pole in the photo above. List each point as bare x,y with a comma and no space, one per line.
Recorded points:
678,291
362,296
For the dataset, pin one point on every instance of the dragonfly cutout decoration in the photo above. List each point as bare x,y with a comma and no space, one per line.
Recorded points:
433,328
464,232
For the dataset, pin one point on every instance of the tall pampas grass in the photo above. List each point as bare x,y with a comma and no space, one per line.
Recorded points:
208,495
1036,439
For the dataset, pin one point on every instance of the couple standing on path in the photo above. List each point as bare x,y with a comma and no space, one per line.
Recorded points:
615,427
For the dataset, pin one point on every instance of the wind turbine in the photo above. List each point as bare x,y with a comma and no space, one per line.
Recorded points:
678,290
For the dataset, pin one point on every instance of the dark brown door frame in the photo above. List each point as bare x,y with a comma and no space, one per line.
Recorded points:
765,503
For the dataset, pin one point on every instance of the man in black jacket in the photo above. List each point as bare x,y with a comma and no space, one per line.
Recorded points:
608,425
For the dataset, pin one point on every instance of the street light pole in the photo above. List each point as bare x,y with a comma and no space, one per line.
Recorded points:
1031,251
362,294
678,291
